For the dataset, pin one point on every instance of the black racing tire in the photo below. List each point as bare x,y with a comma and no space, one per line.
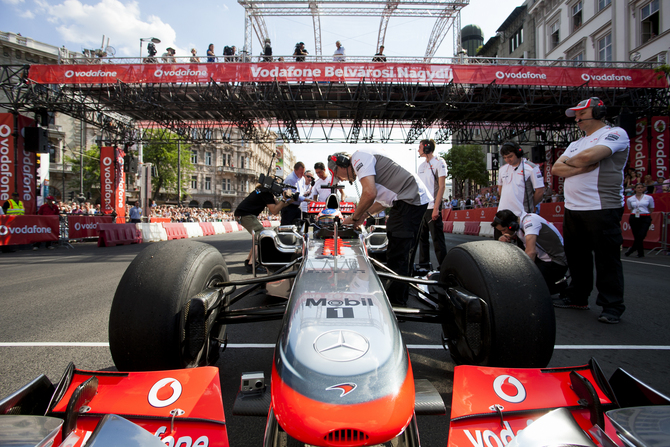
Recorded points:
144,326
521,320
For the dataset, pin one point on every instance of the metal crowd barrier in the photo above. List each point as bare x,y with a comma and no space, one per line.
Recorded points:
64,231
664,236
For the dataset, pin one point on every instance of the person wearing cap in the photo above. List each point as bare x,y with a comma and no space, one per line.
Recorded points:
14,206
50,208
386,183
267,51
593,170
339,55
300,52
168,56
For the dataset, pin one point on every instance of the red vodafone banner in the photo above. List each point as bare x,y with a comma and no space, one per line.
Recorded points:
639,148
107,179
85,226
349,72
658,149
120,186
16,230
474,215
552,211
6,156
26,169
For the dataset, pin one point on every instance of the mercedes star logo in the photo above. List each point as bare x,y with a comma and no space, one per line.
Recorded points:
341,345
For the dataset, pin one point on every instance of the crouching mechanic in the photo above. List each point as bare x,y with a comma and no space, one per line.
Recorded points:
248,210
541,241
379,174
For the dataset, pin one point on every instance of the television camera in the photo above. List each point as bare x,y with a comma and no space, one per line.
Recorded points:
277,186
151,49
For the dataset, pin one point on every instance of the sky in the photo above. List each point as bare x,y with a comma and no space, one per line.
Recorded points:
81,24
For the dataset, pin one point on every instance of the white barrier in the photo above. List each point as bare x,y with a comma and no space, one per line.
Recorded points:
193,229
459,228
152,232
218,227
275,223
485,229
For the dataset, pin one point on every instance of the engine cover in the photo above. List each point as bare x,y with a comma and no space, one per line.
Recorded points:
341,373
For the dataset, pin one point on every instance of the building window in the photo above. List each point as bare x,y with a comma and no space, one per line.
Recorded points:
649,20
516,40
605,48
194,182
208,158
194,156
555,37
578,59
226,184
208,183
602,4
576,16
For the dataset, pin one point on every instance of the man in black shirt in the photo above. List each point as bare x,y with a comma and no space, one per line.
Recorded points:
248,210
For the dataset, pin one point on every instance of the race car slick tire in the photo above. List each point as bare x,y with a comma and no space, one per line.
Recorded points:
519,326
144,326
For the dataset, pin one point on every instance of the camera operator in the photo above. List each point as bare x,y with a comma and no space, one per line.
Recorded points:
300,52
248,210
541,241
151,49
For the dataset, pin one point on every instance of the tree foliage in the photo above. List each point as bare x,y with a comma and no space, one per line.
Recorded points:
466,163
91,169
161,151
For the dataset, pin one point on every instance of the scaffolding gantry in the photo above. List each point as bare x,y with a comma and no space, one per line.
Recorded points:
447,13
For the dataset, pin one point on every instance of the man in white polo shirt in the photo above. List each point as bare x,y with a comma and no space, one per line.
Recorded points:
433,173
593,170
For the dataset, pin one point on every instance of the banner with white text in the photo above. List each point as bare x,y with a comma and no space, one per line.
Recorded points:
658,149
80,227
346,72
6,156
17,230
107,179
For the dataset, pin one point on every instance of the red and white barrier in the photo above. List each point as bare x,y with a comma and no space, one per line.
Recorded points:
193,229
152,232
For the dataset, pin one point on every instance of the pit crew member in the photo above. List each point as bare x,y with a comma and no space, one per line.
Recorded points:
378,173
541,241
433,173
593,170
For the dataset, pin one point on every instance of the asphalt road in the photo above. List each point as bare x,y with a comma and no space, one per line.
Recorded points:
54,308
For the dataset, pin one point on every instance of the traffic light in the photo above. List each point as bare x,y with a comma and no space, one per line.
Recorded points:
71,194
126,162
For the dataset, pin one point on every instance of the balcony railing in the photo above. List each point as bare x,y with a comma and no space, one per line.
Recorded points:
290,59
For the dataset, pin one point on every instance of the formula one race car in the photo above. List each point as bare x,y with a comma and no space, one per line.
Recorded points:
339,357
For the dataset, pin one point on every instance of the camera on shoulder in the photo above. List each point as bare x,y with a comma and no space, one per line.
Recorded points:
274,184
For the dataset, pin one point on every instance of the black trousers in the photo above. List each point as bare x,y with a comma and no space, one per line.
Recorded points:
402,230
552,273
436,229
639,226
289,214
595,233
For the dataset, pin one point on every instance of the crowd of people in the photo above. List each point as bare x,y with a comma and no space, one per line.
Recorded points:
230,54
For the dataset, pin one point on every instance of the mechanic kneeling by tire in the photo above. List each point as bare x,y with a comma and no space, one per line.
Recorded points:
248,210
541,241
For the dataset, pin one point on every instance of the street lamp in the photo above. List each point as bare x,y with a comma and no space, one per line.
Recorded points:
145,39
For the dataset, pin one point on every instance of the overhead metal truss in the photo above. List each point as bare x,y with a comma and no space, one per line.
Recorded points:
446,11
362,112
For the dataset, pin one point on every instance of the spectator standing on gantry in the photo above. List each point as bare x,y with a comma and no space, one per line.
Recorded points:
339,55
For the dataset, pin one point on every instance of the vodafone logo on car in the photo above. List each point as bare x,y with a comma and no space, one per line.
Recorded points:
509,389
165,392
